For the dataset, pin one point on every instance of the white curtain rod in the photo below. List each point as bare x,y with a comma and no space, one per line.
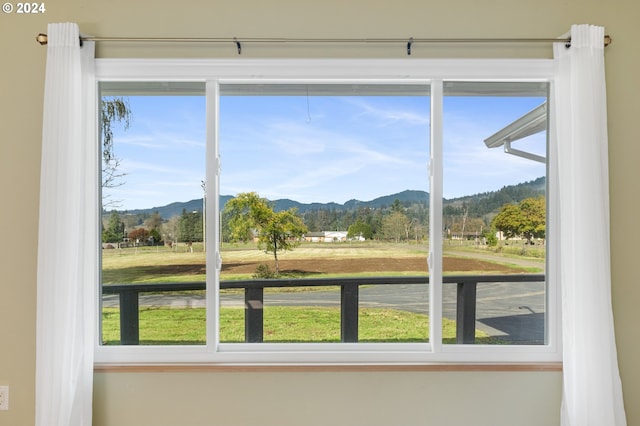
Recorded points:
43,39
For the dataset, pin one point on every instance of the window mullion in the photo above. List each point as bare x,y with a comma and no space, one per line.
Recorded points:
213,257
435,218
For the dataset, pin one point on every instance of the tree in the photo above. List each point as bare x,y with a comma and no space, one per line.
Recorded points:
114,230
395,226
251,216
397,206
360,229
154,222
113,110
172,229
508,221
154,237
190,226
418,230
138,235
534,222
526,219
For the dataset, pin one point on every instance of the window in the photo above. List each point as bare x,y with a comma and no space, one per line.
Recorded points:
355,213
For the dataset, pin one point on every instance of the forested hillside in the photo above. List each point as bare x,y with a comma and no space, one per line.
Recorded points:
404,215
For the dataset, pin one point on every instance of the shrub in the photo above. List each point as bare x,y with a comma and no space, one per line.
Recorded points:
492,240
263,271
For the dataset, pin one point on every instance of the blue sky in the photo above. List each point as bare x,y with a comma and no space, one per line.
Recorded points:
315,149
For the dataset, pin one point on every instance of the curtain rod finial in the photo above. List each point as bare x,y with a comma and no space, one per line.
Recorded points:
42,39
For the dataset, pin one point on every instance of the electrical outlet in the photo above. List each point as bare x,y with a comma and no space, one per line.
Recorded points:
4,397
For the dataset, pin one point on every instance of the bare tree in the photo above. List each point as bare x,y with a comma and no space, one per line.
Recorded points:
113,110
395,226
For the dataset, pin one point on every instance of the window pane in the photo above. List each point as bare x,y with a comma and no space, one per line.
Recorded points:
153,260
494,211
324,188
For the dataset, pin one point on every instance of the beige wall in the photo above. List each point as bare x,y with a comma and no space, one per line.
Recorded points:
306,398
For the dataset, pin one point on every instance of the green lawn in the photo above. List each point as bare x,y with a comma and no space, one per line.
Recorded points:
281,324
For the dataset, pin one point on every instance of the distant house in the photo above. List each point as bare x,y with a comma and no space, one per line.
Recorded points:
326,236
314,237
335,236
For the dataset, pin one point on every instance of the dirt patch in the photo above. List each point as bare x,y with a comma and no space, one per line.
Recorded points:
316,266
336,266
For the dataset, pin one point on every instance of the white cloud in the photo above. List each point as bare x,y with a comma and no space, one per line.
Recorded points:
393,115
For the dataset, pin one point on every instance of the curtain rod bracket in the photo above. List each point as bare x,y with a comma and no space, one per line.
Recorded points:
238,45
409,43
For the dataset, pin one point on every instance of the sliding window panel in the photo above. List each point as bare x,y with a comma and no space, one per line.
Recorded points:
153,172
494,212
324,213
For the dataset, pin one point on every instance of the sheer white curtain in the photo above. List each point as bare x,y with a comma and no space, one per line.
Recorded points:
68,234
592,393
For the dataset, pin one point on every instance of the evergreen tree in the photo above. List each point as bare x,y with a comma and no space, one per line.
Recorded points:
190,226
114,230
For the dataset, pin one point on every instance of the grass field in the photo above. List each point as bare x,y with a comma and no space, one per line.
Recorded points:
163,264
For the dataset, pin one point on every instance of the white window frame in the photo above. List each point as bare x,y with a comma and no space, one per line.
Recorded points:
427,71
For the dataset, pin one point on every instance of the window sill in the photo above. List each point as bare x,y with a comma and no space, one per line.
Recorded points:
370,368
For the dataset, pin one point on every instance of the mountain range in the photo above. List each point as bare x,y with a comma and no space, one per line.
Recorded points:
482,203
408,196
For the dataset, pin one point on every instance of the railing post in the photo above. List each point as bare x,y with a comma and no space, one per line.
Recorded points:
129,318
349,300
466,313
253,314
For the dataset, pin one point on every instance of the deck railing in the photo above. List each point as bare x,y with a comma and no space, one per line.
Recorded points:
349,300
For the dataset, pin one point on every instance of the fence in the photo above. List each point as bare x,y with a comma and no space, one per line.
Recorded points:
466,299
